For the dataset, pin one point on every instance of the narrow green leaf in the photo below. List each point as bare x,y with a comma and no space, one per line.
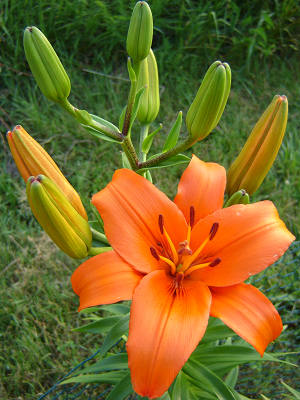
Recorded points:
108,377
99,135
122,118
232,377
115,333
174,160
100,326
135,107
173,135
118,308
105,123
122,389
125,162
183,389
216,330
114,362
147,143
294,392
203,377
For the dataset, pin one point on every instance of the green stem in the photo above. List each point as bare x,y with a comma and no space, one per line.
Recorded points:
131,98
130,152
99,236
93,251
143,135
68,107
177,149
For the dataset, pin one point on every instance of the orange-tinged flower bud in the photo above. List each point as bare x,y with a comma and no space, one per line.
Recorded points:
32,159
65,226
260,150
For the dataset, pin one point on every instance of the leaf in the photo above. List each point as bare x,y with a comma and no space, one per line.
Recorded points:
118,308
105,123
99,135
216,330
108,377
122,389
174,160
232,377
99,326
221,359
183,389
135,107
294,392
125,162
147,143
114,362
115,333
203,377
173,135
121,118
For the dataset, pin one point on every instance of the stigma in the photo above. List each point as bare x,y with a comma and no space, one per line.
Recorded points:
182,261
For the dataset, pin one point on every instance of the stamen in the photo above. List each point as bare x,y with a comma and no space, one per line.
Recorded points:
189,260
154,253
189,234
195,267
215,262
161,223
213,230
172,247
170,263
192,216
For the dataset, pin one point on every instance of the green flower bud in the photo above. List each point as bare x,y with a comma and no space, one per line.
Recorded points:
240,197
68,230
260,150
209,103
45,66
140,32
149,102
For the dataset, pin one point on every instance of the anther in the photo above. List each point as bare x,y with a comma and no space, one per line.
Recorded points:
154,253
215,262
192,216
161,223
213,230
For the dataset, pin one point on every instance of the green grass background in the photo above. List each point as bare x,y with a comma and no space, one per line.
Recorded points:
260,40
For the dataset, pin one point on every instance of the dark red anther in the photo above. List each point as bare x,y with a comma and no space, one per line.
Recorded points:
161,223
154,253
215,262
192,216
213,230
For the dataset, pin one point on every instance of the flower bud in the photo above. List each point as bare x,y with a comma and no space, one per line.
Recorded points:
32,159
140,32
260,150
68,230
240,197
45,66
149,102
209,103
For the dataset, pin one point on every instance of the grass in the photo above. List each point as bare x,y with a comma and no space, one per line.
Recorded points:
38,307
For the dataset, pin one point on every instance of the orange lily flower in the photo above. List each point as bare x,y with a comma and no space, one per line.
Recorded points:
181,262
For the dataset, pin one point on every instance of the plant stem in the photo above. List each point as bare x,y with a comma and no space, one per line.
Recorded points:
143,135
130,152
161,157
98,250
99,236
68,107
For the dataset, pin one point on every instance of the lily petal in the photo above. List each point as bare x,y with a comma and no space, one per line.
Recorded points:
201,186
248,312
130,207
165,327
104,279
249,239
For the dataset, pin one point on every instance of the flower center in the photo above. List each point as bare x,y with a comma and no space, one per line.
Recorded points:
183,261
